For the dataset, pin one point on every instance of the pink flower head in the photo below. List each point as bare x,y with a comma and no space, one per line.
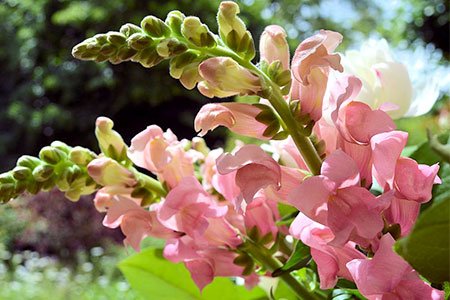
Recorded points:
162,154
106,171
315,52
104,197
336,199
259,214
225,75
413,181
331,261
187,208
238,117
135,222
273,45
254,169
388,276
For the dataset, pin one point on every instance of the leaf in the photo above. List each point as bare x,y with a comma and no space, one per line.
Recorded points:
156,278
442,191
425,155
299,258
426,248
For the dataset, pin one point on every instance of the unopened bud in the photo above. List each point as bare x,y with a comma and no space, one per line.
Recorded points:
81,156
34,187
129,29
101,38
185,68
29,162
125,53
20,187
174,20
21,173
139,41
107,50
170,47
42,172
61,146
106,171
110,142
198,33
148,57
199,145
51,155
273,46
155,27
116,38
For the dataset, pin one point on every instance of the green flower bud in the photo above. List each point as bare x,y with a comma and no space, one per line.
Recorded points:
29,162
185,68
148,57
34,187
170,47
49,184
62,182
125,53
73,194
155,27
42,172
199,145
20,187
129,29
283,78
107,50
174,20
81,156
116,38
52,155
21,173
101,38
110,142
198,33
61,146
139,41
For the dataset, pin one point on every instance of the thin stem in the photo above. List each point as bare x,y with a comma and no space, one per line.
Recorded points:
151,183
262,255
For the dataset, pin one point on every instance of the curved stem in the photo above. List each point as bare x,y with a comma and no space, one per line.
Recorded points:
262,255
151,183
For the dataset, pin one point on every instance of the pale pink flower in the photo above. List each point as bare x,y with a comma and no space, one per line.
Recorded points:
225,75
208,168
106,171
290,178
238,117
136,222
162,154
403,212
104,197
273,45
254,169
388,276
187,208
331,261
259,214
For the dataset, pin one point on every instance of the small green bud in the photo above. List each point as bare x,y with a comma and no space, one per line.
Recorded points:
107,50
42,172
73,194
275,68
197,33
101,38
155,27
81,156
170,47
51,155
61,146
139,41
49,184
283,78
199,145
62,181
242,260
129,29
174,20
21,173
109,140
20,187
272,129
126,53
7,178
29,162
266,116
34,187
148,57
178,63
116,38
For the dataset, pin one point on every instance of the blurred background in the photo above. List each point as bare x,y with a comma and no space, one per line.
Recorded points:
50,244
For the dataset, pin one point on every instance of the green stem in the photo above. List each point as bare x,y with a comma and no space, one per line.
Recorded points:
303,143
262,255
151,183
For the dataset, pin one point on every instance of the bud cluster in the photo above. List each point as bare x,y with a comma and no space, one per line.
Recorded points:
58,165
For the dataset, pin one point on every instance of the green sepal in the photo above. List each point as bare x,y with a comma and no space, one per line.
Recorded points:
174,20
272,129
116,38
282,135
129,29
155,27
283,78
21,173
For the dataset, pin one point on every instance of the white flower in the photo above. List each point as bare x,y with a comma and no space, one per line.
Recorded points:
387,80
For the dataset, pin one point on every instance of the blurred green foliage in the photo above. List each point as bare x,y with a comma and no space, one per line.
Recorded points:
45,94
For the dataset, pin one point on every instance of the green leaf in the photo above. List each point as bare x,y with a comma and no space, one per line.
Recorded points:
425,155
156,278
426,248
299,258
442,191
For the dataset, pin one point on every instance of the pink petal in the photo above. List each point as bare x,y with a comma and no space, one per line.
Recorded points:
403,212
273,45
137,151
202,272
341,169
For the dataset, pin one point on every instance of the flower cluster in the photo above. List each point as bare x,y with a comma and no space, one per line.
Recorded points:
328,152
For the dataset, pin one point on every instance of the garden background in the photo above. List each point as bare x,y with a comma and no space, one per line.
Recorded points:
50,245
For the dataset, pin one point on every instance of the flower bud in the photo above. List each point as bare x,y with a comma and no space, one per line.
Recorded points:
101,38
129,29
139,41
198,33
148,57
273,45
110,142
226,75
61,146
116,38
81,156
170,47
185,68
174,20
199,145
42,172
29,162
51,155
34,187
155,27
21,173
125,53
20,187
106,171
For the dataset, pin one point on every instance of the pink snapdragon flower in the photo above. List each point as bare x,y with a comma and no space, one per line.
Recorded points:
262,213
331,261
163,155
136,222
104,197
254,169
238,117
336,199
388,276
187,208
273,45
